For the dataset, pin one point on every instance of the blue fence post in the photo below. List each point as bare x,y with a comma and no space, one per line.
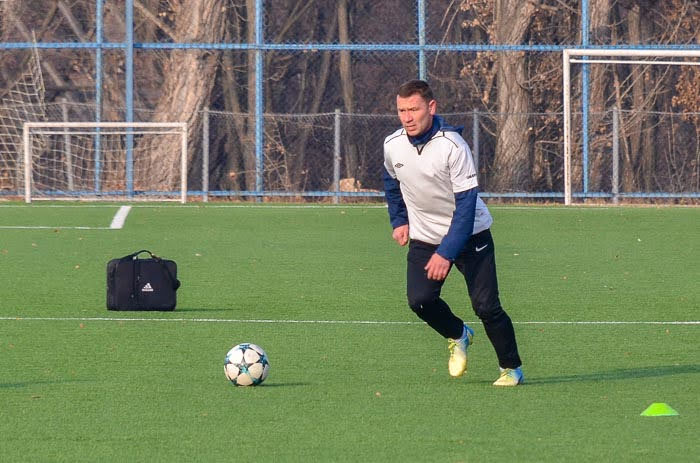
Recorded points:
205,154
421,40
336,156
475,141
584,94
616,156
98,92
259,110
67,144
129,96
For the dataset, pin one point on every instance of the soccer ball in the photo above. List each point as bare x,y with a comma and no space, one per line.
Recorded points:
246,365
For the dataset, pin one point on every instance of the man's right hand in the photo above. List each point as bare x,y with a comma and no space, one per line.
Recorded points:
400,235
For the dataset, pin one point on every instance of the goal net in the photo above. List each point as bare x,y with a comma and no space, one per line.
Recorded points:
21,101
105,160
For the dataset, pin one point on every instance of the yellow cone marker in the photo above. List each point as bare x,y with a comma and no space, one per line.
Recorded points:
659,409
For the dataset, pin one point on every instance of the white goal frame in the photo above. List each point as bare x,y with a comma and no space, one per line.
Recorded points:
126,128
570,55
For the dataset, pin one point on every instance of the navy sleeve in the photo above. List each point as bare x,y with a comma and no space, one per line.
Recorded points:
462,225
398,215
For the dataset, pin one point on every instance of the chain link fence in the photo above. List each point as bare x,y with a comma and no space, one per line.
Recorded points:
291,99
335,155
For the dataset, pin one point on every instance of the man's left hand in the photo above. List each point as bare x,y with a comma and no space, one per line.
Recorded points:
438,267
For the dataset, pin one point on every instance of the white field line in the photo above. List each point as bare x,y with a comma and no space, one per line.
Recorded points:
328,322
120,218
46,227
117,222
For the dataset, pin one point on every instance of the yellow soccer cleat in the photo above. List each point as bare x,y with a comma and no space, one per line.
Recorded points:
510,377
457,364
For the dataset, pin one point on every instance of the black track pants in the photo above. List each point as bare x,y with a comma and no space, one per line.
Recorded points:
478,265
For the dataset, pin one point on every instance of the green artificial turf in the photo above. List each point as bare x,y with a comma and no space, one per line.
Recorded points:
354,376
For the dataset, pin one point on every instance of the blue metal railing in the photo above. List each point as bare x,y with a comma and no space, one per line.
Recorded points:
260,46
585,87
98,92
259,101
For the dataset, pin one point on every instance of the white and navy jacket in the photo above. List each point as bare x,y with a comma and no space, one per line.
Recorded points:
431,184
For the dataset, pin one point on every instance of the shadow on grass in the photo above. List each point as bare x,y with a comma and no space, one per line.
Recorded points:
22,384
620,374
266,385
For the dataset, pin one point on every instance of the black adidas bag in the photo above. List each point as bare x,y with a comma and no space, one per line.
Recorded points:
141,284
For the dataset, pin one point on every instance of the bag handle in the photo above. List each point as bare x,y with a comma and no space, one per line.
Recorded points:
135,255
175,282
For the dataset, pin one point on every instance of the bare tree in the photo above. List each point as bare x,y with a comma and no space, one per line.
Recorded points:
346,80
238,90
511,166
188,77
601,34
522,148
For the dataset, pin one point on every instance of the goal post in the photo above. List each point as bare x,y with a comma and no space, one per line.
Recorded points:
595,56
105,160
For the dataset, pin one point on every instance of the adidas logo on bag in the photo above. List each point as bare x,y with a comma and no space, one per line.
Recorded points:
147,288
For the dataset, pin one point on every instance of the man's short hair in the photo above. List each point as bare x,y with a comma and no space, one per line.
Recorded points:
416,86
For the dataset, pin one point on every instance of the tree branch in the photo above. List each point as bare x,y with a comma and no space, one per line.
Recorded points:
154,19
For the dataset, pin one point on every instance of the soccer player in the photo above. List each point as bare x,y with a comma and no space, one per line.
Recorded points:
434,207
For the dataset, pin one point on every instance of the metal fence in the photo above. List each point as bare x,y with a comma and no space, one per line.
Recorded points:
281,119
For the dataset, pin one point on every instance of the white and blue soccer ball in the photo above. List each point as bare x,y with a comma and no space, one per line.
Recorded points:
246,365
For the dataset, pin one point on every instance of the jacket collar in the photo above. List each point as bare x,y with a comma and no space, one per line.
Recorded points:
438,125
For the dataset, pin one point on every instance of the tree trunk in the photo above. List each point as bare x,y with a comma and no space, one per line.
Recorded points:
350,150
600,161
249,159
237,143
240,165
641,133
511,166
188,79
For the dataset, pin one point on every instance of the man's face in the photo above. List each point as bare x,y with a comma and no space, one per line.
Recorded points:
416,114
